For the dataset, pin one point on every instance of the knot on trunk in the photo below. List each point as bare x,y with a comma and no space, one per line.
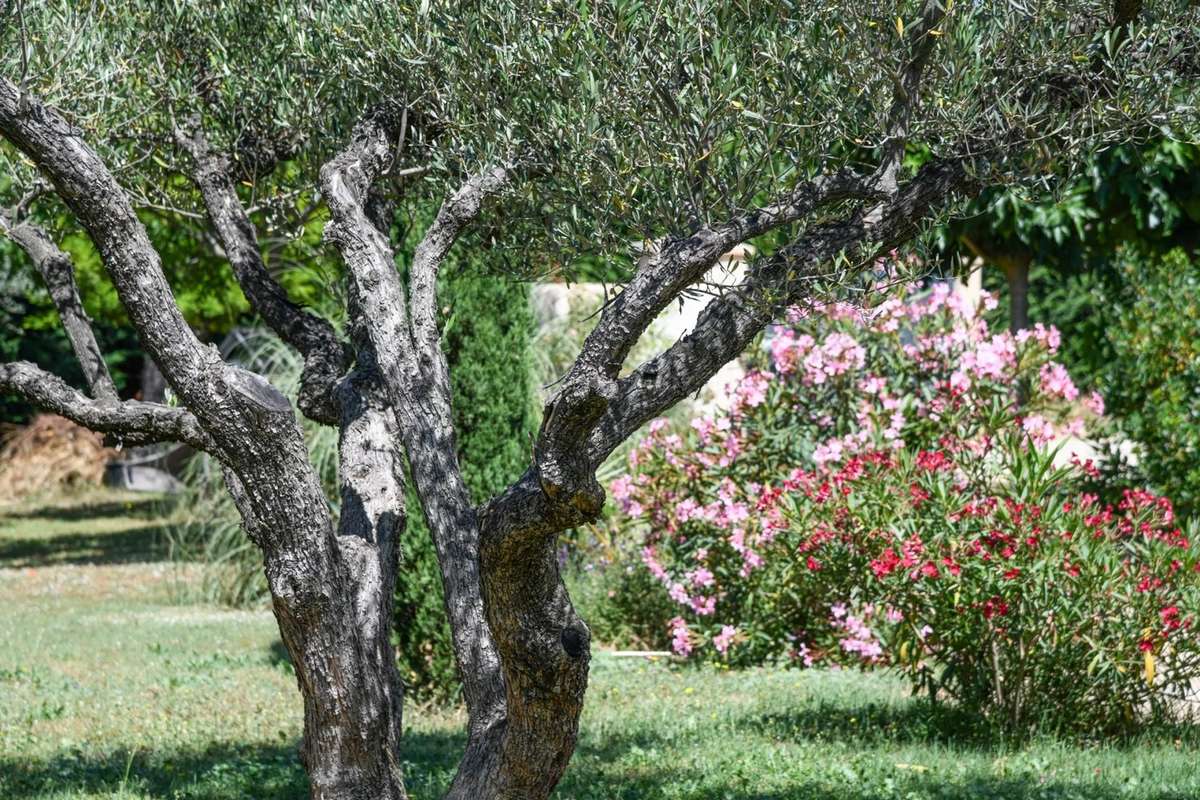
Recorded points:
575,640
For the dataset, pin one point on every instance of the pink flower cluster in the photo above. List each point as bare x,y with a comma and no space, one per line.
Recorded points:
858,637
681,639
813,362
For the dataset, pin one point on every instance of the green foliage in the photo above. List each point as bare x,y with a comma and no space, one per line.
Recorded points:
1143,196
625,120
486,330
1129,198
1152,381
204,285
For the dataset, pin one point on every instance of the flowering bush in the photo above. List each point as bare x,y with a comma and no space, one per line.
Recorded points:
883,491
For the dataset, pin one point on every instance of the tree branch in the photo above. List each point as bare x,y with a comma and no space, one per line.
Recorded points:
729,323
564,466
452,218
58,273
526,511
134,422
905,95
326,358
251,424
346,182
417,384
99,203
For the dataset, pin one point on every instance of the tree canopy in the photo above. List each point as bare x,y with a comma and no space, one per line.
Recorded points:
628,120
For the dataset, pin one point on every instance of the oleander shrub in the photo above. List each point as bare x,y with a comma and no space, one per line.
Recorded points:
889,488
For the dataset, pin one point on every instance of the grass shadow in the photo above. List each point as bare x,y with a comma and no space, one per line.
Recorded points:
146,543
273,772
920,722
149,507
219,772
278,655
915,722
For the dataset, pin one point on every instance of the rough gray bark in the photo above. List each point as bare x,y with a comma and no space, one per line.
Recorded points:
134,422
353,725
319,581
417,383
58,273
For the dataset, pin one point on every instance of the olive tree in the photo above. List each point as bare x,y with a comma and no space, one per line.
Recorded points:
828,134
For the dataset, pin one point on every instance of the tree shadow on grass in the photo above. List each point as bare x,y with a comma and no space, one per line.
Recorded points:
143,544
273,772
219,772
868,724
227,771
920,722
148,507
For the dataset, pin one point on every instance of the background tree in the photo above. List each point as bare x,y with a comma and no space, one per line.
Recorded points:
1109,258
1145,197
694,127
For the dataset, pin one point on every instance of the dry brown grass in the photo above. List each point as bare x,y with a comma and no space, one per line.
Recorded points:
50,454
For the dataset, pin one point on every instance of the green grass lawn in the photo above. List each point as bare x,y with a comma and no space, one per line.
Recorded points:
112,688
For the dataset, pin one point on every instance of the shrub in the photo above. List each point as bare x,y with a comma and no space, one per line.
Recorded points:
1152,383
883,491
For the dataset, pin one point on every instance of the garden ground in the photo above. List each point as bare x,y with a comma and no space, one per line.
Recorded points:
113,687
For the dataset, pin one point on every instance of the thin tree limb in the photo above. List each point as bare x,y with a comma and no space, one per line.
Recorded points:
132,421
417,383
58,273
98,202
452,218
564,467
905,96
526,511
729,323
